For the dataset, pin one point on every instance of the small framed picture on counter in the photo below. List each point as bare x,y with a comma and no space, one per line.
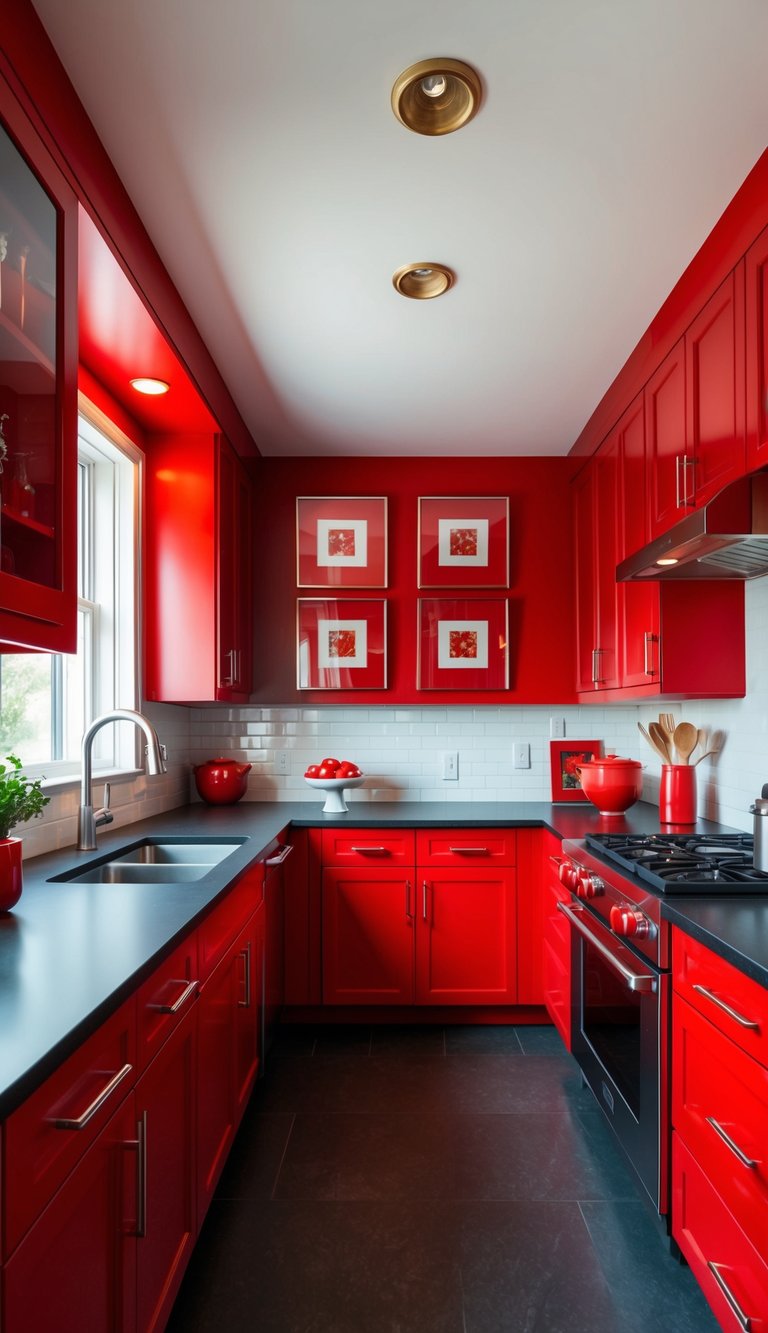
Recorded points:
341,541
566,758
341,645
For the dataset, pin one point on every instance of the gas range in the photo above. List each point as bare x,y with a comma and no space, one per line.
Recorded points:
685,862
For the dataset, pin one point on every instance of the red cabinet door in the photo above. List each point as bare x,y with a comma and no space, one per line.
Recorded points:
38,392
638,603
249,979
76,1268
606,520
586,579
665,437
466,937
233,543
757,351
368,936
215,1076
715,389
556,944
166,1111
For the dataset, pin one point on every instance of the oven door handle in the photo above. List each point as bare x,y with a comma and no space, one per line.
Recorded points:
636,981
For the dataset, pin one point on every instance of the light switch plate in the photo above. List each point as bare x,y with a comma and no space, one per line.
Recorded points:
283,761
450,765
557,728
521,755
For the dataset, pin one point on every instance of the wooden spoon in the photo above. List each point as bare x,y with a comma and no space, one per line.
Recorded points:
662,753
686,738
659,736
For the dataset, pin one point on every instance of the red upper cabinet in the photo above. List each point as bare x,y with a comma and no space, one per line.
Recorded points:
715,391
38,391
198,560
757,351
666,459
596,514
638,603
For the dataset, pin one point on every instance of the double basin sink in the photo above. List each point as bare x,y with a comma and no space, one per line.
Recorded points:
156,861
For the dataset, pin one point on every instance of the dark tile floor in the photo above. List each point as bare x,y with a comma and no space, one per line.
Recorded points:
430,1180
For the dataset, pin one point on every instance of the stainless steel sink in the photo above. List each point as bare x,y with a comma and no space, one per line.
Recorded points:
156,861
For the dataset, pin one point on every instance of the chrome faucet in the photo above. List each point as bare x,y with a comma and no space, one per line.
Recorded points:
88,819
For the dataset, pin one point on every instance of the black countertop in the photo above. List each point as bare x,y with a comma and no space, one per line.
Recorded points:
71,953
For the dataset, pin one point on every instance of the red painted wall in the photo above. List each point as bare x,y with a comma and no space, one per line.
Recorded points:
540,595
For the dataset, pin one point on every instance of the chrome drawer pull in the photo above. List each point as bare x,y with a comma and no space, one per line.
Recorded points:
726,1008
174,1008
245,954
408,912
729,1143
98,1101
470,851
424,900
141,1221
371,851
636,981
282,856
742,1319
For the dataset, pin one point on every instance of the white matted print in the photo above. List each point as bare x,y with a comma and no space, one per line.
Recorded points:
342,543
342,643
462,542
462,645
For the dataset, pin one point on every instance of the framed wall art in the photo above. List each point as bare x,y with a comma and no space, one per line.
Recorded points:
341,541
341,645
463,541
565,757
462,644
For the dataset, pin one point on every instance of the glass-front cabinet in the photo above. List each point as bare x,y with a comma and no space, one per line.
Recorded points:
38,391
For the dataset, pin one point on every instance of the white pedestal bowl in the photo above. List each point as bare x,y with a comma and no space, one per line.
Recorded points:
334,792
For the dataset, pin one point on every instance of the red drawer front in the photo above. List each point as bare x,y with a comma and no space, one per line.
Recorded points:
368,847
226,921
557,992
466,847
165,997
720,1106
708,1235
735,1004
46,1137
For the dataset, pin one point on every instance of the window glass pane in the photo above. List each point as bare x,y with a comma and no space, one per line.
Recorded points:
25,706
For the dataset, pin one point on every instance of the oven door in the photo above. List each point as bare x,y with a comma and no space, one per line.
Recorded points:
620,1015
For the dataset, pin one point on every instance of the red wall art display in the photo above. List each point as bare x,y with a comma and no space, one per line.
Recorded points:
565,758
464,541
341,645
341,541
462,644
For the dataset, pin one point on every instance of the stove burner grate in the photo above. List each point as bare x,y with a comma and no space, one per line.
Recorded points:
685,863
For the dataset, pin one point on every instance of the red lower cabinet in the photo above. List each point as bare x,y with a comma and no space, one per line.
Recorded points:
368,936
466,937
556,946
166,1100
75,1271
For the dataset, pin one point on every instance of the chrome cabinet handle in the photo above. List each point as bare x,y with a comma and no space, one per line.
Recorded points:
408,911
742,1319
596,677
245,954
682,463
230,656
726,1008
141,1136
81,1121
636,981
424,900
729,1143
470,851
678,501
687,463
649,638
281,856
174,1008
371,851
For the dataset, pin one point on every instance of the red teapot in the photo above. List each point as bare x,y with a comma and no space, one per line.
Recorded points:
221,781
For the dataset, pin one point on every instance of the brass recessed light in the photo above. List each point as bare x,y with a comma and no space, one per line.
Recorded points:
153,387
422,281
436,96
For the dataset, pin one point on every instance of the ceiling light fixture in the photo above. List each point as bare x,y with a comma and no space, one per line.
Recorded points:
423,281
436,96
143,384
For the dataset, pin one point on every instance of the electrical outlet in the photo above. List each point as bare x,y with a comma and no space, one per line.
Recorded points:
557,728
521,755
450,764
283,761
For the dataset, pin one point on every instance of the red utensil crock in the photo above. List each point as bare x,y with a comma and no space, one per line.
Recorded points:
677,794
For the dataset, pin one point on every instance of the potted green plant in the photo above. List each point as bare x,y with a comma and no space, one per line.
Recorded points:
20,798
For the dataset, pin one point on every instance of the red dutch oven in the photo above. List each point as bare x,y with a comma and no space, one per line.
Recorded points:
222,781
612,784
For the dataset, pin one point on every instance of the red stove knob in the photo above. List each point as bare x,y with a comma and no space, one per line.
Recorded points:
626,920
567,874
588,886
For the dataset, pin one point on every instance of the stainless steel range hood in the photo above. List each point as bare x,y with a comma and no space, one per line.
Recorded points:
726,539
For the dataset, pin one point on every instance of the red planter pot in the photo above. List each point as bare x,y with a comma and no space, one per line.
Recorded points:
10,873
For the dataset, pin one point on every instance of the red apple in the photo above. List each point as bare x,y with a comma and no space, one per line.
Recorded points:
333,763
313,771
327,770
347,770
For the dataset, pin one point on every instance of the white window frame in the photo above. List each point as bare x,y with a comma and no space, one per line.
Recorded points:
113,486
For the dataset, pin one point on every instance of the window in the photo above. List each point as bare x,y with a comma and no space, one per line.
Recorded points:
48,699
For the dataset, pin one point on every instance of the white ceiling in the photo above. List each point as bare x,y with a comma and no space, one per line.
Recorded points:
258,144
